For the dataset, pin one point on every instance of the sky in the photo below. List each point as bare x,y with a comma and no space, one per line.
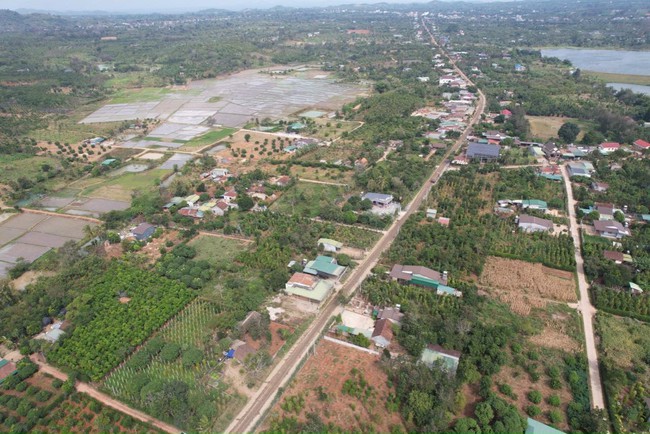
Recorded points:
169,5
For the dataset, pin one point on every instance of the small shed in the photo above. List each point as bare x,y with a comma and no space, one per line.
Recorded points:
330,245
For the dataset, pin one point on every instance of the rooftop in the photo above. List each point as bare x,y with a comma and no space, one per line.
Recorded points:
318,293
406,272
479,149
536,427
528,219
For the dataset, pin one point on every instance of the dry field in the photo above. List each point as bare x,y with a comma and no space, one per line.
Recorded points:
524,278
243,164
324,374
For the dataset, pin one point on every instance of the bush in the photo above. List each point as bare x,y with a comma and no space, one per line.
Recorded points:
21,387
43,396
533,410
554,400
170,352
56,383
31,390
192,357
535,396
555,416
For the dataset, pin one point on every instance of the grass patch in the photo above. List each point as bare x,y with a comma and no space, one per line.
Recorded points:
123,186
308,199
546,127
216,249
620,78
144,94
208,138
15,166
215,99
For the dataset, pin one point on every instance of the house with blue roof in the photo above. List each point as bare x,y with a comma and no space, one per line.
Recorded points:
537,427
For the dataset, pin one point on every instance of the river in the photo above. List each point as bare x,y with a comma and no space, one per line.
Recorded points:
609,61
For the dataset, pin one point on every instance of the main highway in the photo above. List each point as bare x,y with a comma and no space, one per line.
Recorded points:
253,411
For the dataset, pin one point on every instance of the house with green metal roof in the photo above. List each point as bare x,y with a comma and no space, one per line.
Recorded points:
297,126
108,162
534,204
536,427
7,369
324,266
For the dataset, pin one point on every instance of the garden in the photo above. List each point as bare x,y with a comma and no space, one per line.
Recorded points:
117,312
33,401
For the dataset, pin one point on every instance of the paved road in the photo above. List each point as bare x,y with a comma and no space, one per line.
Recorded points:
256,406
105,399
584,306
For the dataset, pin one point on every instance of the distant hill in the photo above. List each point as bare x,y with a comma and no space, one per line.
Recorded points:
11,21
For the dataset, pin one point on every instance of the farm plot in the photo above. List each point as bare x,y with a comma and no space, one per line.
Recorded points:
307,199
40,404
521,277
101,340
215,249
30,236
121,188
186,354
341,385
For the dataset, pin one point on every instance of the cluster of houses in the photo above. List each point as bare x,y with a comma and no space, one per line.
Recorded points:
195,209
452,117
315,282
606,226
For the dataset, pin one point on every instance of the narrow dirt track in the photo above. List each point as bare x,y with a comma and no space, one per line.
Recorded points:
257,405
105,399
585,308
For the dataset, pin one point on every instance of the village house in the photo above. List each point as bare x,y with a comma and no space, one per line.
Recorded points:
529,223
608,147
382,335
605,210
449,359
446,79
641,145
330,245
174,201
483,152
7,368
325,266
407,273
378,199
610,229
536,427
534,204
580,168
392,314
282,181
308,287
220,208
601,187
617,257
143,231
230,196
192,200
191,212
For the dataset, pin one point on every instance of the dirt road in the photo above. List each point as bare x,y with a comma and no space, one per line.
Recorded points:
585,308
103,398
228,237
56,214
256,406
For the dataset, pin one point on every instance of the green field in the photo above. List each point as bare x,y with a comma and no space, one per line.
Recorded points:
216,249
122,187
306,198
208,138
146,94
620,78
15,166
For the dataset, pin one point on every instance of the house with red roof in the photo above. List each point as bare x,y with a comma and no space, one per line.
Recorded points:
641,145
506,113
609,147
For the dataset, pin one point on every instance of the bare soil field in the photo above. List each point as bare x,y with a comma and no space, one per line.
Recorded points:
535,280
319,385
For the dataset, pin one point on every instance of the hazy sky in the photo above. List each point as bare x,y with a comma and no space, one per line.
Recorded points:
168,5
